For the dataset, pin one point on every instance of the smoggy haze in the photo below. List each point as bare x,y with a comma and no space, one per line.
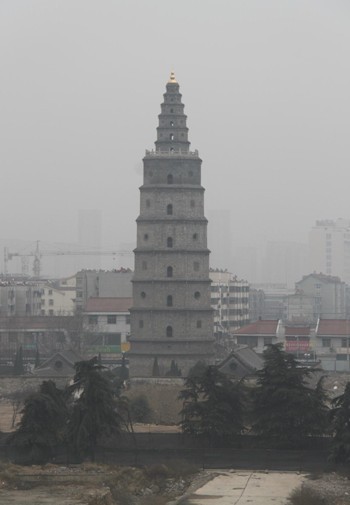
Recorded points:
265,86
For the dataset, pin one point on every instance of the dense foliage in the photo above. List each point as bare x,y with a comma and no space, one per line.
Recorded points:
42,425
341,426
76,417
285,407
212,406
93,410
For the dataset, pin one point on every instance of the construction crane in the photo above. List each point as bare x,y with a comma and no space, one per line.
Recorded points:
38,254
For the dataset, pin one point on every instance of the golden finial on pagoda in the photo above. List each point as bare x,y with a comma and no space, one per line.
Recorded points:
172,77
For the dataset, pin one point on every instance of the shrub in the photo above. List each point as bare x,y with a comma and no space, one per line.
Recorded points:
307,496
140,410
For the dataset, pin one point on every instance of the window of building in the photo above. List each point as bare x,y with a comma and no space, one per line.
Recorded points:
171,123
326,342
345,342
141,323
169,271
197,295
127,319
113,339
51,302
93,319
196,266
249,340
169,331
195,236
111,319
169,301
170,179
51,312
169,209
199,323
171,136
169,242
145,237
50,291
143,294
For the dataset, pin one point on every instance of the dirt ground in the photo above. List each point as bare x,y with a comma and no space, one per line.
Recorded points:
94,484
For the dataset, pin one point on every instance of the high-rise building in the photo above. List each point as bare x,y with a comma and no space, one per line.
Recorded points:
171,318
230,301
329,243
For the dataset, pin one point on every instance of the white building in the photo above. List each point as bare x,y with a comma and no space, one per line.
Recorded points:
230,301
317,295
329,244
106,325
57,302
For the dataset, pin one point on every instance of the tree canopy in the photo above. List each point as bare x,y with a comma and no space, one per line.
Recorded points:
212,405
94,410
340,414
42,425
285,407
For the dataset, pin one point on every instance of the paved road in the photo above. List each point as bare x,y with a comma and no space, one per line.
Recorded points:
247,488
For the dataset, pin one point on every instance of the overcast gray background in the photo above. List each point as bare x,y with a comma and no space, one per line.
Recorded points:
266,89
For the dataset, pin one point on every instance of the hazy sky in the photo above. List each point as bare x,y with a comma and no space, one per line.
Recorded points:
266,87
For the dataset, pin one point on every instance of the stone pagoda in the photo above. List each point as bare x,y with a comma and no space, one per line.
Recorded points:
171,317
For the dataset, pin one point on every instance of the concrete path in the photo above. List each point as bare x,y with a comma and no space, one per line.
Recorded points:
235,487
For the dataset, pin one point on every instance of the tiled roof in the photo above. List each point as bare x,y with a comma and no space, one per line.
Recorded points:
333,327
292,331
261,327
241,362
108,304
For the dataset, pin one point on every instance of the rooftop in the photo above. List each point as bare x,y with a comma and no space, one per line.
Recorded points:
261,327
108,304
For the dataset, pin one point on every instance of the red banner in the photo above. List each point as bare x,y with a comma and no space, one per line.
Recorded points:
298,345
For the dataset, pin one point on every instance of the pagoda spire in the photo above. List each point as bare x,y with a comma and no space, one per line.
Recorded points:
172,77
172,132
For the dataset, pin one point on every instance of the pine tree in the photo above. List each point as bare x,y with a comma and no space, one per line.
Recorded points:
340,452
212,405
155,369
94,408
285,408
18,368
174,370
42,424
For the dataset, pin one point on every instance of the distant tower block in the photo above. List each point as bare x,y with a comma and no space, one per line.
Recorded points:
171,317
